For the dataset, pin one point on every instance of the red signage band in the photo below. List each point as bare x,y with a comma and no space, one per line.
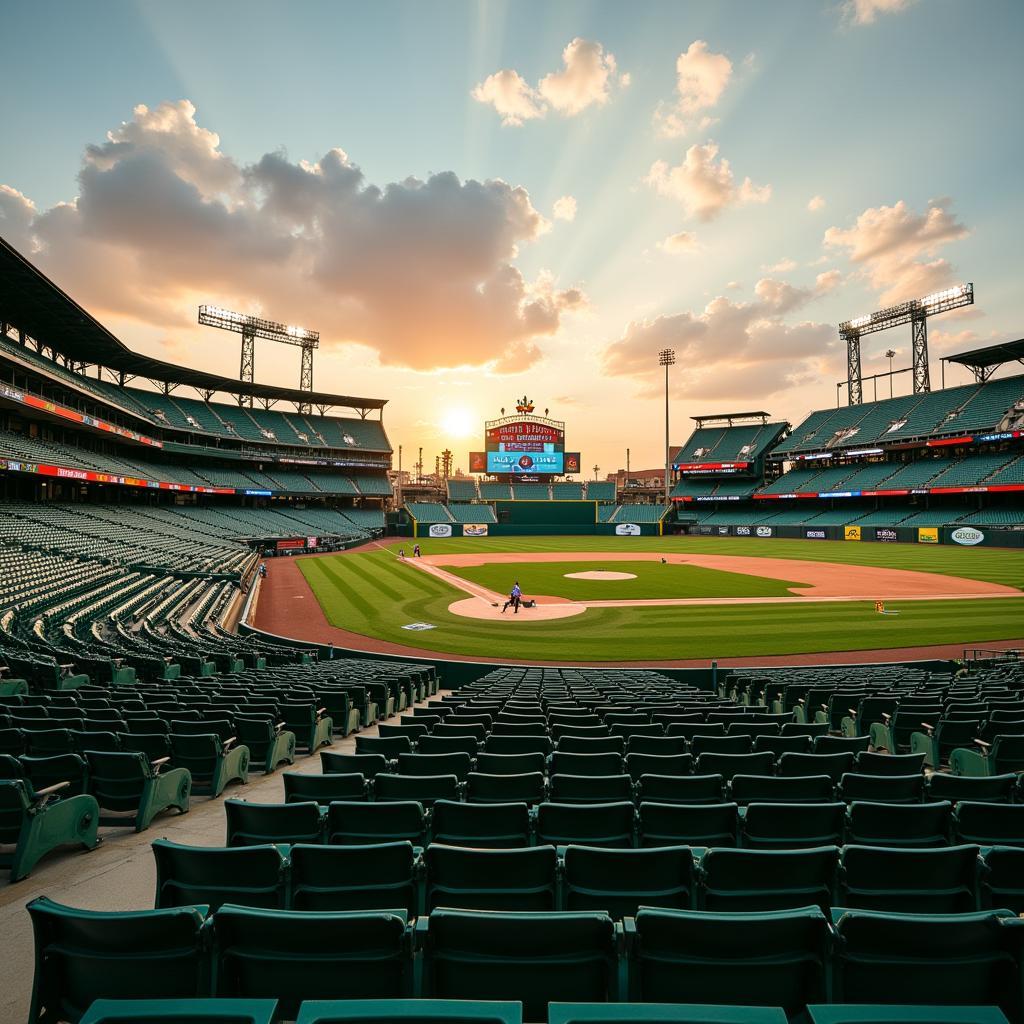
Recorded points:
92,477
684,467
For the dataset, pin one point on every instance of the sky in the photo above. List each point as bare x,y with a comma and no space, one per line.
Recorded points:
473,201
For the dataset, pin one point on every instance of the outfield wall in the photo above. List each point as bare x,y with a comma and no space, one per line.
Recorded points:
537,530
961,536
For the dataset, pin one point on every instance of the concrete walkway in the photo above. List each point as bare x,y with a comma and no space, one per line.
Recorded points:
120,874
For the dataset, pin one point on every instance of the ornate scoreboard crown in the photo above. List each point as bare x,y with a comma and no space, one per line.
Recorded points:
524,405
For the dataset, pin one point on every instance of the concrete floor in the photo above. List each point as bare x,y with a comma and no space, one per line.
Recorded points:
120,874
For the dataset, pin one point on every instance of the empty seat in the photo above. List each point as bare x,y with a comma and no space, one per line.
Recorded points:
300,787
841,744
989,824
671,789
252,876
518,745
457,764
84,955
532,958
730,744
522,879
914,825
728,765
590,789
889,764
424,789
622,881
380,876
268,743
1002,881
272,954
255,824
388,746
510,764
779,745
1004,754
873,1013
357,823
591,745
211,762
753,880
890,789
990,789
495,826
748,789
181,1011
44,772
687,824
135,790
768,826
774,958
608,825
638,765
420,1011
959,959
584,764
940,881
448,744
832,765
312,727
367,765
528,788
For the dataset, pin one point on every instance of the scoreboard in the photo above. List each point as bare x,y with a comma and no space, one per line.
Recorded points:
524,445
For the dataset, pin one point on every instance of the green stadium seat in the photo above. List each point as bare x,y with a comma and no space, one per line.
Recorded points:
211,764
127,782
522,879
731,744
448,745
988,789
588,745
606,825
182,1011
889,764
890,789
590,789
1003,755
324,789
938,741
367,765
424,789
388,746
989,824
482,788
687,824
381,876
255,824
268,746
769,826
798,789
354,823
840,744
85,955
907,826
518,745
638,765
902,881
1002,878
666,746
756,880
728,765
531,957
621,881
492,826
670,789
779,745
312,728
252,876
273,954
415,1011
775,958
510,764
965,959
43,772
832,765
584,764
155,746
873,1013
345,715
458,764
36,822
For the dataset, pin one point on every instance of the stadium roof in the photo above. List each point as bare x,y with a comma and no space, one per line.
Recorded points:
990,355
33,303
760,414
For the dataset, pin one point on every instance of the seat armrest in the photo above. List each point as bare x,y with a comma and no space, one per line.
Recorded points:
51,790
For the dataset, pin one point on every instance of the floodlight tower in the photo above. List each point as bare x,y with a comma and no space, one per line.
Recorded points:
253,327
915,313
667,358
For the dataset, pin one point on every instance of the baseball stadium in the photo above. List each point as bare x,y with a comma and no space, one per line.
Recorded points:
293,732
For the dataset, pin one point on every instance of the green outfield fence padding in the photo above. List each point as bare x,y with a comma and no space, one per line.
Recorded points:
552,513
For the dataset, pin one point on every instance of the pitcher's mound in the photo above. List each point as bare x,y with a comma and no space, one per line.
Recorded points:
600,574
475,608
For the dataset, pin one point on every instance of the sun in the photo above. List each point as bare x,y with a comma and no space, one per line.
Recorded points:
458,422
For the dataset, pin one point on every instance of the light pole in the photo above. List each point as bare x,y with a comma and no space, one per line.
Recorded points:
667,358
889,355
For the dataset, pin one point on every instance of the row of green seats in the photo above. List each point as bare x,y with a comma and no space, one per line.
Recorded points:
374,876
786,959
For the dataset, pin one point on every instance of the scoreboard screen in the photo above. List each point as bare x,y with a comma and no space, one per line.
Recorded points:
525,462
523,445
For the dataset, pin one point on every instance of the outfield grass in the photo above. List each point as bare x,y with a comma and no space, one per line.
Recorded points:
373,593
653,581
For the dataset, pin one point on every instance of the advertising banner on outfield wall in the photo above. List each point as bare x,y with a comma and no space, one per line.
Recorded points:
706,531
764,531
851,533
474,530
440,530
886,534
815,534
743,531
968,536
627,530
927,535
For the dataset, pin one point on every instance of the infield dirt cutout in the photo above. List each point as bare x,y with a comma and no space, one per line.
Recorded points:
818,581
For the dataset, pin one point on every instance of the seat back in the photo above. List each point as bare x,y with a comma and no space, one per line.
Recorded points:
491,879
380,876
492,826
755,880
357,823
252,876
607,825
797,789
832,765
457,764
117,780
912,825
424,789
621,881
300,787
692,789
368,765
889,764
254,824
989,824
768,826
663,824
728,765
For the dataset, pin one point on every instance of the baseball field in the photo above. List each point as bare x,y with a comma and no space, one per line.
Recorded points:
628,599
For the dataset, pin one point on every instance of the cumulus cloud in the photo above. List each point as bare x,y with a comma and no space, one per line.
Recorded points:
701,78
511,96
586,79
704,185
16,214
784,266
564,208
897,248
729,349
816,203
680,242
864,12
422,272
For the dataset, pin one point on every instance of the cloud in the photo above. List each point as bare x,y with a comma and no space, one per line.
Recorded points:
16,214
897,248
784,266
729,349
701,78
816,203
511,96
564,208
864,12
586,79
680,242
703,185
421,272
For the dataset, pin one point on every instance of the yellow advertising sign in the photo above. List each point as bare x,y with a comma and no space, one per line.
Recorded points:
927,535
852,533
